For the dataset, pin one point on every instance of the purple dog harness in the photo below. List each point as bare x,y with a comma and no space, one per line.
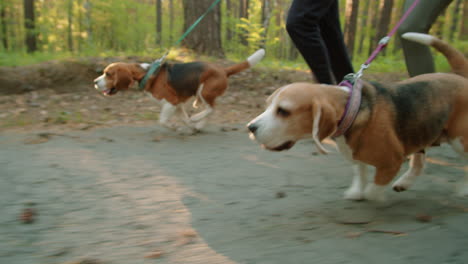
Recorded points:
352,106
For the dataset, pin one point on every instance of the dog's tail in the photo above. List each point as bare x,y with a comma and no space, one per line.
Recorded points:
456,59
250,62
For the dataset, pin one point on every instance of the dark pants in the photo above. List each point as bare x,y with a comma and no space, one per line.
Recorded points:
314,27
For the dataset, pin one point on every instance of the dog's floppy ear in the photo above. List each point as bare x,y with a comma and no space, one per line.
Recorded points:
123,79
273,95
323,124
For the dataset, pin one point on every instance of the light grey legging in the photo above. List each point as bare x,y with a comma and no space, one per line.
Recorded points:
418,57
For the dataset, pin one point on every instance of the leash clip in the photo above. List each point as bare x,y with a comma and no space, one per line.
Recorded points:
160,60
384,40
361,71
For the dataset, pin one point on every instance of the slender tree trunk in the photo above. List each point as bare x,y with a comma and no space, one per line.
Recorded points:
438,28
88,23
351,15
80,25
243,13
158,23
206,37
454,23
464,22
29,24
70,25
363,31
373,20
229,33
3,21
266,17
384,21
171,21
400,10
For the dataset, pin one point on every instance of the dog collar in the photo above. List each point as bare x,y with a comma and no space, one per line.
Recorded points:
352,106
153,69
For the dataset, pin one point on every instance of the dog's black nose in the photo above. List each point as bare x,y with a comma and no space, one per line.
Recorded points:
252,128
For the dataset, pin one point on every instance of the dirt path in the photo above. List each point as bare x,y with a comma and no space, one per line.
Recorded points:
129,194
100,182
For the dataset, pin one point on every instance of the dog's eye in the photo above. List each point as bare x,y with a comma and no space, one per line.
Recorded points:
107,74
282,112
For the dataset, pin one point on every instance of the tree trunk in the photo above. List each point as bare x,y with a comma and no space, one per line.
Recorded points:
373,20
453,26
400,10
228,16
29,24
206,37
384,21
80,25
438,28
363,31
464,22
266,17
3,21
171,21
70,25
158,23
351,14
88,24
243,13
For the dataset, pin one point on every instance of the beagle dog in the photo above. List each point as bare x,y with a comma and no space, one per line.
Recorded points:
173,84
393,121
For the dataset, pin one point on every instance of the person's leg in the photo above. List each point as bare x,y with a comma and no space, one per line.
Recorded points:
303,27
333,38
418,57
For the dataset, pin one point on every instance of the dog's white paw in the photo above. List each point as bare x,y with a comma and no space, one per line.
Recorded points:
354,193
375,192
200,125
402,184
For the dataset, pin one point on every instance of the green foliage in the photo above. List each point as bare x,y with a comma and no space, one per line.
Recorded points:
127,28
252,32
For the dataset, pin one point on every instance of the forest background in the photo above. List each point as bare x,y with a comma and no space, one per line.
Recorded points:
32,31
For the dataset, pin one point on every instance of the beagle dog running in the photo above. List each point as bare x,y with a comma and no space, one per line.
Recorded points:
174,84
394,121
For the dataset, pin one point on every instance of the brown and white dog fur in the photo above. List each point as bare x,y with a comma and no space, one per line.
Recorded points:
393,122
174,84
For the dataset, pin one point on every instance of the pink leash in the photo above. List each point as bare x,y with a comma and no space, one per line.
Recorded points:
384,41
353,82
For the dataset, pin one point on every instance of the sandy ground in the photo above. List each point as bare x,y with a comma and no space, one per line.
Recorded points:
142,194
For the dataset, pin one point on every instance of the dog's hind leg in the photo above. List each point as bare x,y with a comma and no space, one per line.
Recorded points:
208,109
188,122
185,116
416,167
460,145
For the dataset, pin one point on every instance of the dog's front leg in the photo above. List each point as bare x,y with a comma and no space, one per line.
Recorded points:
356,190
167,112
208,109
383,175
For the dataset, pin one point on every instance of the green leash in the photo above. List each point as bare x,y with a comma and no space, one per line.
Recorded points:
155,66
